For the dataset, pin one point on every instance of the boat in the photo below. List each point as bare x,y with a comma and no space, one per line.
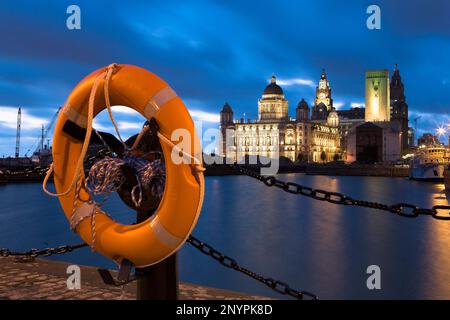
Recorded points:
429,162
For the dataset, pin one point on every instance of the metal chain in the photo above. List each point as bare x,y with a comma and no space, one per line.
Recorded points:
402,209
47,252
275,285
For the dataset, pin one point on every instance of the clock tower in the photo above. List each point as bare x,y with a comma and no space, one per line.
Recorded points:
323,92
323,104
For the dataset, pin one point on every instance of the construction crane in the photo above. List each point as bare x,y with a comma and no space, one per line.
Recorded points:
415,128
44,133
19,123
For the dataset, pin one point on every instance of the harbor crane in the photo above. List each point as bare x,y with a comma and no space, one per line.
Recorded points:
44,133
19,123
415,128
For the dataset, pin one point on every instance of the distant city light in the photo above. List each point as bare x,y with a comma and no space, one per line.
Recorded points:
440,131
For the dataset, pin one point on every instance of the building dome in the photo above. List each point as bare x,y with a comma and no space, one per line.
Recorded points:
273,88
303,105
333,119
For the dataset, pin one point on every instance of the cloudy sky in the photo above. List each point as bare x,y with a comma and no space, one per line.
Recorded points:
216,51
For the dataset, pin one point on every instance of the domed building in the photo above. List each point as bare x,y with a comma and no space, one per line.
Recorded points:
274,134
272,106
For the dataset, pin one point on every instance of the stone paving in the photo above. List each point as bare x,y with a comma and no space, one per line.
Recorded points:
41,279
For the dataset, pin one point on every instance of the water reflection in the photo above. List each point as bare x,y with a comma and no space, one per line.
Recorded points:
312,245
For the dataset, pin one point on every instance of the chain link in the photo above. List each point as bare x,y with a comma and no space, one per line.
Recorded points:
407,210
47,252
226,261
206,249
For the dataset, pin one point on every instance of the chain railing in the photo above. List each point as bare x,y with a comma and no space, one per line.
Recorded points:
402,209
408,210
276,285
47,252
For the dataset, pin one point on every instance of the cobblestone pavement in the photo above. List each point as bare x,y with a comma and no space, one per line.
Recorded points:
45,279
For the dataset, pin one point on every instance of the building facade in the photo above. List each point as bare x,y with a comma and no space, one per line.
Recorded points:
377,133
377,96
349,119
384,134
323,103
399,107
374,142
275,134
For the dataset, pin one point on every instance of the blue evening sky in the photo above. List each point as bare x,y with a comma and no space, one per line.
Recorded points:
216,51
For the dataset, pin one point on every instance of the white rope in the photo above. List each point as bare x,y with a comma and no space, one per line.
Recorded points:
109,73
196,163
79,168
139,137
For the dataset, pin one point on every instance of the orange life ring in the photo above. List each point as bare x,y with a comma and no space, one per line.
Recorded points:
151,241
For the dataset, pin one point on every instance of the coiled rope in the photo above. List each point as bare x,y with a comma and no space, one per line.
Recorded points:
106,176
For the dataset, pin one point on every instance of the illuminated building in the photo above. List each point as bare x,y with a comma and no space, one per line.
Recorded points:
323,108
399,107
349,119
384,134
275,134
377,96
325,139
381,138
374,142
273,106
323,104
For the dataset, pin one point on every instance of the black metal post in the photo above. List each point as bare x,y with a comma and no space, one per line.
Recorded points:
160,281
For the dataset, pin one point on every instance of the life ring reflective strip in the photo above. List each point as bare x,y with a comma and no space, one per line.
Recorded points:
151,241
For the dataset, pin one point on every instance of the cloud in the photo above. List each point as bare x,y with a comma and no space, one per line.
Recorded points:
100,126
338,104
124,110
357,104
39,69
296,81
128,125
8,119
199,115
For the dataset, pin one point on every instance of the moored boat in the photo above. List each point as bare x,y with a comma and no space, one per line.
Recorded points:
428,163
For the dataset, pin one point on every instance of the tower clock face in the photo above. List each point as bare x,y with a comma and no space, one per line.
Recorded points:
322,95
